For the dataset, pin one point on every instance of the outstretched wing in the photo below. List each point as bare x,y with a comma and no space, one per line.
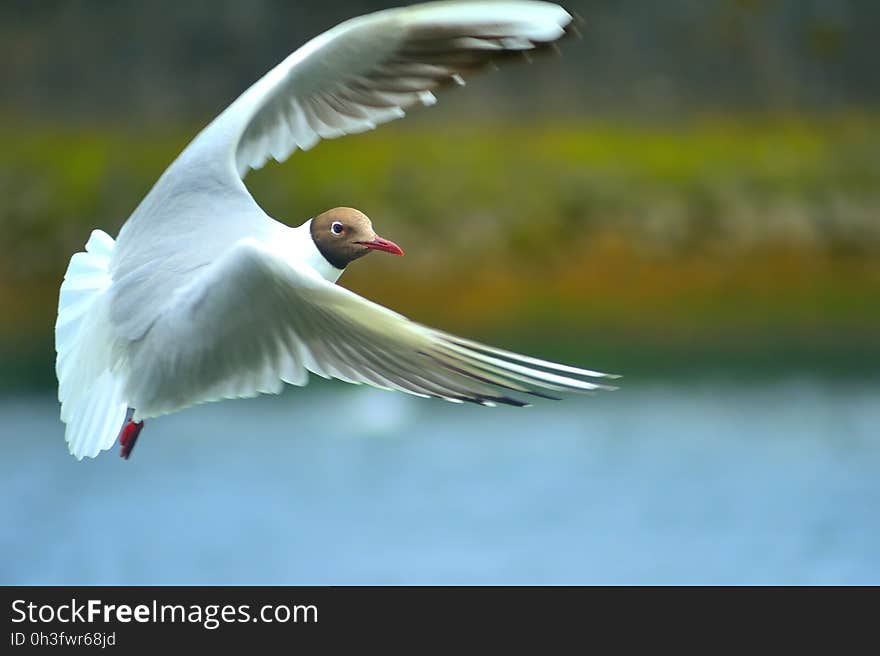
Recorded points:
369,70
252,320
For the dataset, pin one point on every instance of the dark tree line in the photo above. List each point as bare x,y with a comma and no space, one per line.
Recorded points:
155,59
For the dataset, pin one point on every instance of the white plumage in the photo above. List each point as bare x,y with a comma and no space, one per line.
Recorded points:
203,296
90,387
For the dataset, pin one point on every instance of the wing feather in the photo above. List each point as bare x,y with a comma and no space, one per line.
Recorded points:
370,70
253,320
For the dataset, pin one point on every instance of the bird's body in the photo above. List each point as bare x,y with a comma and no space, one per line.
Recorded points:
203,296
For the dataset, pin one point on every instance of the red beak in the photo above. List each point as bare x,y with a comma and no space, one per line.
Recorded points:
379,244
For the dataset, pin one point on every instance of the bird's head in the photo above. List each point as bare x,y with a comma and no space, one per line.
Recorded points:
344,234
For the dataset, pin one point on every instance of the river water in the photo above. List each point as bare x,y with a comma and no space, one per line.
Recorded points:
705,482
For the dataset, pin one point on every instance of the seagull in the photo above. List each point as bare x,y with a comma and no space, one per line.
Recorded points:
203,296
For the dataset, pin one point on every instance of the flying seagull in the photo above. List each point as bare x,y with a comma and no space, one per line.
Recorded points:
203,296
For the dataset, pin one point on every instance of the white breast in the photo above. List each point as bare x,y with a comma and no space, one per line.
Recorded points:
297,245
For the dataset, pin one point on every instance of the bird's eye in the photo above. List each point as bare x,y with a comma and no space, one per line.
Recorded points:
336,227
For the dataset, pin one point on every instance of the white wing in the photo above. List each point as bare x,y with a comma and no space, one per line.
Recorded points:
369,70
252,320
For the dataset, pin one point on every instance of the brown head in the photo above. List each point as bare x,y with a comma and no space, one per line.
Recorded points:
344,234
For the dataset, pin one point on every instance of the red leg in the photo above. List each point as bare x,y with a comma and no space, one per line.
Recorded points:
128,437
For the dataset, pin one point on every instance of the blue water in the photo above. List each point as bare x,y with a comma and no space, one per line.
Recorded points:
681,483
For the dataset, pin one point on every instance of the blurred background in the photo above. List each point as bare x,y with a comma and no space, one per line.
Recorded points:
690,197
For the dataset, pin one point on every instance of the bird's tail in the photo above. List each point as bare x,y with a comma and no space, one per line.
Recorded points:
90,391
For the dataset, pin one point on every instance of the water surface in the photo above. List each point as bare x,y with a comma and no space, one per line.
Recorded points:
683,483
